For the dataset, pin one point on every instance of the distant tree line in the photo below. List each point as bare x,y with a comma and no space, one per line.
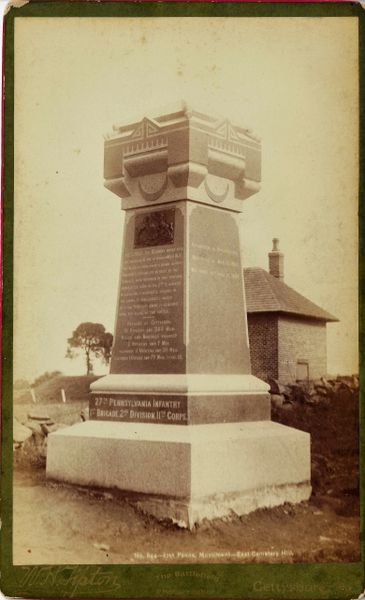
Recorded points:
23,384
45,377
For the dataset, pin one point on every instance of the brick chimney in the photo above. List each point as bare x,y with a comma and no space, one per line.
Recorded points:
276,261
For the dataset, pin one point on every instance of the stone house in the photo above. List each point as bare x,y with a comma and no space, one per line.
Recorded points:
287,332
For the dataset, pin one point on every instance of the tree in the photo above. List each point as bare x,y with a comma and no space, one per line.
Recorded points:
93,340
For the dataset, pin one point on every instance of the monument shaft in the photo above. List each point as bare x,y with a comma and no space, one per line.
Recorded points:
181,289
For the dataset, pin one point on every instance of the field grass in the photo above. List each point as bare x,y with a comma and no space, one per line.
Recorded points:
49,399
67,414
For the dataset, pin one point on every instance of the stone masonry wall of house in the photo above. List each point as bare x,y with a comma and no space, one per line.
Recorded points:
263,337
301,340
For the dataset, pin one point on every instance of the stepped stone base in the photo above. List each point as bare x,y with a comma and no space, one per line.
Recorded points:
186,473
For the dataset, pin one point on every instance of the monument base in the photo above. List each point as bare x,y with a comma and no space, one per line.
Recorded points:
186,473
188,512
180,399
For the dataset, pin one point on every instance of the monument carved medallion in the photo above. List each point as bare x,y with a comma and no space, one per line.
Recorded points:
154,228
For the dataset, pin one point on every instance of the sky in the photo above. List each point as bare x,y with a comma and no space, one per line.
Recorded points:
294,81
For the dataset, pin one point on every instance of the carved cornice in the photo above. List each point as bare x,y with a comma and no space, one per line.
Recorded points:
182,155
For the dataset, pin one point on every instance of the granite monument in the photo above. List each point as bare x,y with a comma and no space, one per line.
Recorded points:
180,422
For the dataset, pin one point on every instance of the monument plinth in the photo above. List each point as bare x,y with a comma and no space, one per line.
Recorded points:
180,419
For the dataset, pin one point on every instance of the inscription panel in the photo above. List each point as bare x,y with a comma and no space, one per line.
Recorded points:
217,310
149,331
139,409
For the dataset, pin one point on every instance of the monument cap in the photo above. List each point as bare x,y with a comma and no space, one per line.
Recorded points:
182,154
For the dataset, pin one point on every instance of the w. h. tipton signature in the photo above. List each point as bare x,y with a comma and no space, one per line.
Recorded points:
73,580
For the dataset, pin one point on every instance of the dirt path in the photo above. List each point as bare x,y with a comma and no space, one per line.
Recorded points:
56,524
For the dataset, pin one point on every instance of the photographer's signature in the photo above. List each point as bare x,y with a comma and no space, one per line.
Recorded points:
70,580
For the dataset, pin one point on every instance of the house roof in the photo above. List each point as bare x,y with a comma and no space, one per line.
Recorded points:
265,293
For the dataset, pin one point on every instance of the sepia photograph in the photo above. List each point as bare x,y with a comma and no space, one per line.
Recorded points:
185,292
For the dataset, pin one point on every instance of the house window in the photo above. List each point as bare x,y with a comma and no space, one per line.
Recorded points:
302,370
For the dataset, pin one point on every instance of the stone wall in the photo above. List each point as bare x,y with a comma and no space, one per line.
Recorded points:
263,337
301,340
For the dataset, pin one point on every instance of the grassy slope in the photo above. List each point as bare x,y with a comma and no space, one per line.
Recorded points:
76,388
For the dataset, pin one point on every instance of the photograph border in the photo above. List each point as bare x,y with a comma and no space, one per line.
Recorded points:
312,581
